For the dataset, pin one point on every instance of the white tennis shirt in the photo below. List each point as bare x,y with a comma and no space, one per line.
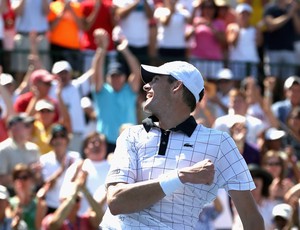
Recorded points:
140,156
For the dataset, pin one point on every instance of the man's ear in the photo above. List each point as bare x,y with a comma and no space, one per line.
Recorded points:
177,85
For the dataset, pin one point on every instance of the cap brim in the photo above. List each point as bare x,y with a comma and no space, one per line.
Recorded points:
148,72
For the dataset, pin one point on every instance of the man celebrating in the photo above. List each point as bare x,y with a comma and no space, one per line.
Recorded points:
167,169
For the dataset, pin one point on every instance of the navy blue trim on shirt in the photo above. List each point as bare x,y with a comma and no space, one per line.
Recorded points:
187,127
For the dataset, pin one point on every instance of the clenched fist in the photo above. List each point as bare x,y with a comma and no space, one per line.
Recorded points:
200,173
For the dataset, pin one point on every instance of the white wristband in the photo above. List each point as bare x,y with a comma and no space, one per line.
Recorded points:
170,182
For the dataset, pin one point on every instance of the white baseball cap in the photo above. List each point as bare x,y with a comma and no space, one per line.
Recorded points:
290,81
182,71
225,74
61,66
4,195
44,104
243,7
274,134
6,78
283,210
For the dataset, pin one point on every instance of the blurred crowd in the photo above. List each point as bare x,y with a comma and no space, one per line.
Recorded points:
70,84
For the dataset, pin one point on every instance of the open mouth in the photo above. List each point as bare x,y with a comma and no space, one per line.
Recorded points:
149,95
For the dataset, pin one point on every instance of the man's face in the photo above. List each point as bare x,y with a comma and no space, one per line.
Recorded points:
65,77
158,94
20,131
117,81
95,149
294,94
43,88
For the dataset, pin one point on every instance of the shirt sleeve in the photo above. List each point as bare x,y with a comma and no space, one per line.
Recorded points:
232,169
124,167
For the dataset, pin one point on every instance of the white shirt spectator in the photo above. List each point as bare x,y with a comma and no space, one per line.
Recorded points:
49,166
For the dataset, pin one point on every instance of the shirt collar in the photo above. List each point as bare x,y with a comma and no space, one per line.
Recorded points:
187,127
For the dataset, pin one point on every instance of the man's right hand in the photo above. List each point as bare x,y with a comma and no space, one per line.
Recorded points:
200,173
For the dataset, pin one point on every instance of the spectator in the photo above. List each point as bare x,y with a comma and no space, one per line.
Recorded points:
259,104
17,149
25,203
243,40
45,119
66,217
54,165
238,131
137,13
8,33
71,98
282,216
261,195
273,140
172,18
95,164
31,18
225,11
6,106
96,14
282,108
276,165
116,98
40,83
7,81
225,82
293,131
281,18
208,39
238,111
65,18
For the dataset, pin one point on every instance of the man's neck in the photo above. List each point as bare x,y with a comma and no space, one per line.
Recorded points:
171,122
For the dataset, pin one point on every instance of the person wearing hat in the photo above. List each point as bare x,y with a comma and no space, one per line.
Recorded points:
115,94
40,84
71,97
243,40
225,81
291,89
54,165
45,118
282,214
6,109
165,170
17,148
273,139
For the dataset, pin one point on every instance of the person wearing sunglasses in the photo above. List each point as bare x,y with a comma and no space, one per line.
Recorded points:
24,203
274,162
